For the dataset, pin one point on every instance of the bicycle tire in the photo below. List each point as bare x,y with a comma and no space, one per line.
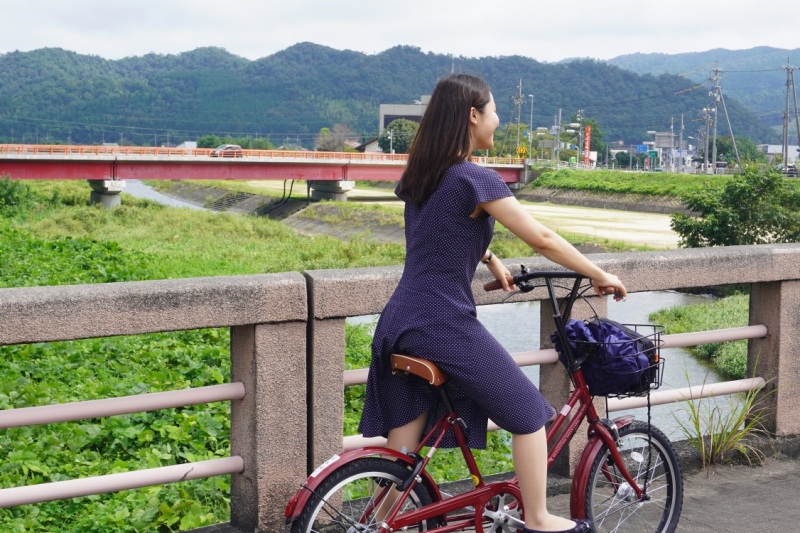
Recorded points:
338,504
611,503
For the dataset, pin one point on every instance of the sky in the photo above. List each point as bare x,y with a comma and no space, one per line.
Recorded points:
545,31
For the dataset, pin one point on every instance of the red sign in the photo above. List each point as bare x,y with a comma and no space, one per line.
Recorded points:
587,142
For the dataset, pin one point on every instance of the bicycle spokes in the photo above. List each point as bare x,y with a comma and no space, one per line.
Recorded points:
503,514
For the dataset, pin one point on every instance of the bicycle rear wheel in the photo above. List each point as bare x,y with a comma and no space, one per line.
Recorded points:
354,498
611,503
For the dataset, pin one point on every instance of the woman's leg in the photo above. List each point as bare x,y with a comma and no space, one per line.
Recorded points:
408,437
530,462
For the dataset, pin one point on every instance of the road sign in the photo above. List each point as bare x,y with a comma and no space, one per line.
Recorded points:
641,148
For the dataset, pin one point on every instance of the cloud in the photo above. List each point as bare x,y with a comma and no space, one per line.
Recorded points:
255,28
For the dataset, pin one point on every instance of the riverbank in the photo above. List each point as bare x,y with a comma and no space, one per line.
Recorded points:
643,203
635,219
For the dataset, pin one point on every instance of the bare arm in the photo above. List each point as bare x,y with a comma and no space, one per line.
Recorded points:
508,212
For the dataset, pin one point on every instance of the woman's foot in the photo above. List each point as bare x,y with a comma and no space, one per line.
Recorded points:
581,526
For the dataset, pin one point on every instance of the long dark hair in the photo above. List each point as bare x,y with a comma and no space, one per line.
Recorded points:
444,136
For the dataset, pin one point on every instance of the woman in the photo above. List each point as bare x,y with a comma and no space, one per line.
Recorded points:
451,205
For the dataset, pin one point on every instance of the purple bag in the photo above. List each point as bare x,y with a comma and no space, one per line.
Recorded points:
616,360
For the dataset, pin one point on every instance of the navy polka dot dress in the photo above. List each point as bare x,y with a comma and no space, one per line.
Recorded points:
432,315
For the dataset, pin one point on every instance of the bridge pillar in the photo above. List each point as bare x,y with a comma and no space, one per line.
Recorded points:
330,189
106,192
523,178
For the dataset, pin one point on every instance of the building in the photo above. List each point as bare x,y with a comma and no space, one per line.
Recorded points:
390,112
774,153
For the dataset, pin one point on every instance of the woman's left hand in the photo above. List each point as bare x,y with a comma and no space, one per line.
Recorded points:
501,274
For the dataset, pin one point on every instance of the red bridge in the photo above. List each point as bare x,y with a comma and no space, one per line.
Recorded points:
58,162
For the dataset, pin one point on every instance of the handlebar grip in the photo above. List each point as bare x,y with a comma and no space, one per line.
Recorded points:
492,286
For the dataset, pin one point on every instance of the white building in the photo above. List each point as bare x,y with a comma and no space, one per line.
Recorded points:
390,112
775,153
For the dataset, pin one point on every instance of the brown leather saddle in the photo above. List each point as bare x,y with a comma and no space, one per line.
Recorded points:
408,364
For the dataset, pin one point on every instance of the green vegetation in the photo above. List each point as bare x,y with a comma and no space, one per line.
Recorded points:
730,358
611,181
398,135
754,207
718,433
73,243
41,374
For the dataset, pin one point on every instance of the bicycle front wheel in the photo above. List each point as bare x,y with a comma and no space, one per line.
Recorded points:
610,501
357,497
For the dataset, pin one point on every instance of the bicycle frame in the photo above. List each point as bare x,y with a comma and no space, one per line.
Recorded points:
579,407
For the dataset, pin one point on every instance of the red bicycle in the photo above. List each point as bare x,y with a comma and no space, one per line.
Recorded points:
627,479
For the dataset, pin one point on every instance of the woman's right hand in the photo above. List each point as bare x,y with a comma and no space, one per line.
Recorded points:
609,284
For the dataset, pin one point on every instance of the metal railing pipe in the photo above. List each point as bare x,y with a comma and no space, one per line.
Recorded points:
719,335
66,412
73,488
663,397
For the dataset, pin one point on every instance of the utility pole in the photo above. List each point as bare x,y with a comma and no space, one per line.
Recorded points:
715,96
557,147
789,82
530,130
719,98
681,165
672,144
518,108
707,116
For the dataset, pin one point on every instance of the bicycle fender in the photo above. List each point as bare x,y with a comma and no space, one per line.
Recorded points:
315,479
581,476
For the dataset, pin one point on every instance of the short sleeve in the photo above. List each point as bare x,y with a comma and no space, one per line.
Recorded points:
474,184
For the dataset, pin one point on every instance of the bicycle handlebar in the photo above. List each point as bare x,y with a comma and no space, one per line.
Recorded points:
522,278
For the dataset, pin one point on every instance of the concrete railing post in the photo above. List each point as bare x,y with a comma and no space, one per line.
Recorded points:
554,381
333,296
268,426
775,357
326,411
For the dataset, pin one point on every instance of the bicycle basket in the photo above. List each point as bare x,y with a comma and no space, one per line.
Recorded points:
616,359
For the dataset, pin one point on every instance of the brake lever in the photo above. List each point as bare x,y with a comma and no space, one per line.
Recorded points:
509,295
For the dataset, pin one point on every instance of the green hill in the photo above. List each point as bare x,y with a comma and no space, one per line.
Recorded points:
53,95
756,77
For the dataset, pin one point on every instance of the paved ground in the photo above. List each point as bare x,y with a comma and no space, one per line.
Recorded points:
727,499
735,499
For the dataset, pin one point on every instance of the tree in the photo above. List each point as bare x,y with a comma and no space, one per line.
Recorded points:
505,140
752,208
628,160
334,140
402,133
748,150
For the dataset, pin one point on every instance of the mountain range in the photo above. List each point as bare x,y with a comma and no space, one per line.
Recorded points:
756,77
54,95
